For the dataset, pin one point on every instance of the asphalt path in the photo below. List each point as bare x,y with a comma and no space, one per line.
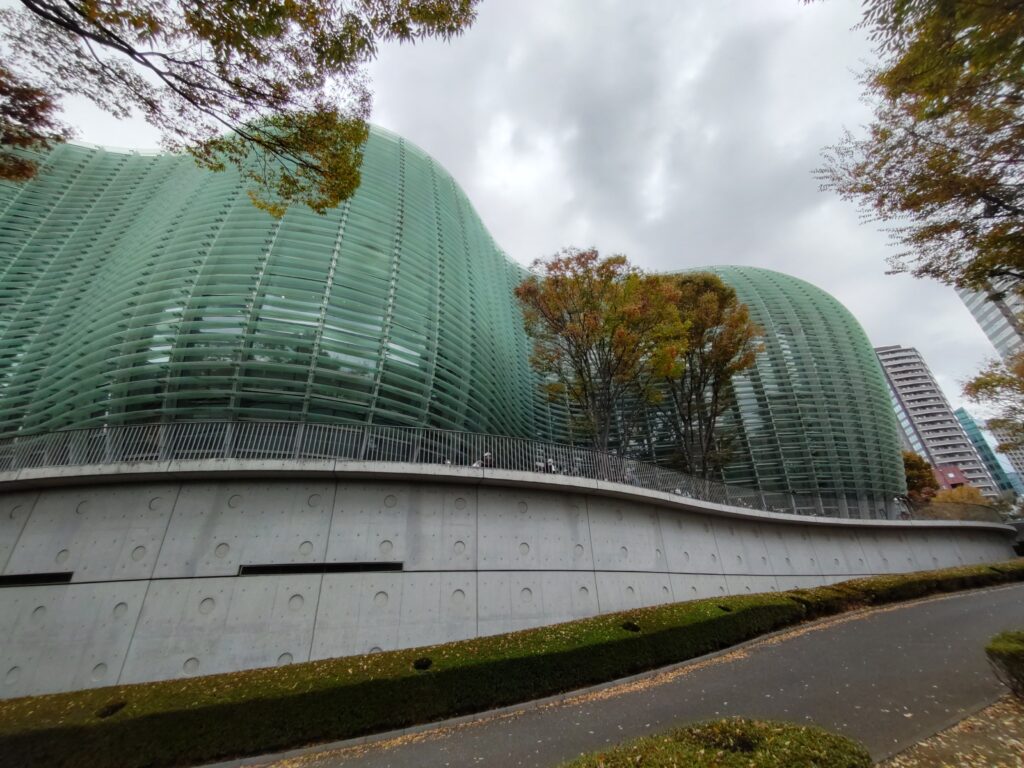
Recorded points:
887,677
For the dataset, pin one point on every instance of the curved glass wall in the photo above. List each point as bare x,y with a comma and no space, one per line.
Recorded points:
138,288
813,414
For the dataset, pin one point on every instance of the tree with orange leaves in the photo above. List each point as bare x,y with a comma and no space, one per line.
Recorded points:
603,332
1001,386
721,341
943,160
276,88
27,121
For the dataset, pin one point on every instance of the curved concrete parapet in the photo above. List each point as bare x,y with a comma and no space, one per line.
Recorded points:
154,570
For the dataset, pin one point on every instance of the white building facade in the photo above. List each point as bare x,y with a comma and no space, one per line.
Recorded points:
999,318
929,425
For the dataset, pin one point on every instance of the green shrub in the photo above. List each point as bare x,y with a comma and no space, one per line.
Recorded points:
876,590
1005,653
822,601
1012,569
734,744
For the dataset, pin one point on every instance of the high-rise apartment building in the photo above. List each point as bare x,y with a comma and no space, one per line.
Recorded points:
1016,456
926,418
985,451
1002,321
999,318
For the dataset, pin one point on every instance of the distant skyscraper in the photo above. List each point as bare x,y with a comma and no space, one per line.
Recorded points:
1015,457
1000,319
985,451
927,421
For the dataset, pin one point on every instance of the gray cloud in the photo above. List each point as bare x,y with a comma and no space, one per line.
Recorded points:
679,134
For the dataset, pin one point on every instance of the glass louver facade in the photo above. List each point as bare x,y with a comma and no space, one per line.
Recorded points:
813,414
136,288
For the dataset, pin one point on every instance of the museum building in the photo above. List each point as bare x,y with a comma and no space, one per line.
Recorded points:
230,441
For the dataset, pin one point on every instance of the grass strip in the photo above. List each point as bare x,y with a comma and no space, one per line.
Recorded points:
733,743
188,721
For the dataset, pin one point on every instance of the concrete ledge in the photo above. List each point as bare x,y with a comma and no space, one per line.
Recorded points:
168,471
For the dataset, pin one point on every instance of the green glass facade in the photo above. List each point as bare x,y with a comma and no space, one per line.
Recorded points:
813,414
136,288
985,451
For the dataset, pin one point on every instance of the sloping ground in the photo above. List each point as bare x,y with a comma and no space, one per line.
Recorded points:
885,677
182,721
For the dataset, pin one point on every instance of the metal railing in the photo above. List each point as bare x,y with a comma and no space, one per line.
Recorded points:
296,441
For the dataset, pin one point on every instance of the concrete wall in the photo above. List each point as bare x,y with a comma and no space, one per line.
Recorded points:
155,590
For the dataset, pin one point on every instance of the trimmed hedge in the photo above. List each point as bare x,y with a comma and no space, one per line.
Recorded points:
878,590
1005,653
202,719
734,743
823,601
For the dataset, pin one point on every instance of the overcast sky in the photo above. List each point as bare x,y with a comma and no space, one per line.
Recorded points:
680,134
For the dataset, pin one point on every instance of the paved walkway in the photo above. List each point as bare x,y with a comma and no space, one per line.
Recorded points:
991,738
888,677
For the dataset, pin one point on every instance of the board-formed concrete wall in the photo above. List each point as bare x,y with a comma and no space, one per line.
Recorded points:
155,589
